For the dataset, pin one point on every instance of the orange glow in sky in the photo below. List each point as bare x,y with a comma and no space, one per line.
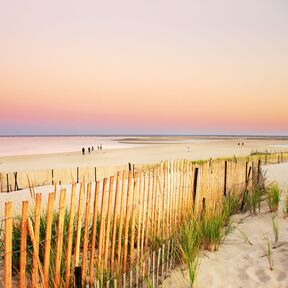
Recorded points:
125,67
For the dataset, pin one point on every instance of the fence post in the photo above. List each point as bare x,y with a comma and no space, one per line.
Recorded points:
77,176
203,205
16,188
7,180
258,171
246,172
195,186
225,179
78,277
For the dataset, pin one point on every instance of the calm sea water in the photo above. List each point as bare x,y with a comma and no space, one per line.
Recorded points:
42,145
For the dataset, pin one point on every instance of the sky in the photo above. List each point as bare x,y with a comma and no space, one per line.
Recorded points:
144,67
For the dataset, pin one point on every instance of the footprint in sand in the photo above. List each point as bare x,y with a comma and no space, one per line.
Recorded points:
258,275
262,276
281,276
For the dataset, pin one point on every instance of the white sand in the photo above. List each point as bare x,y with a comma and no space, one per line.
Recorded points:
140,154
239,264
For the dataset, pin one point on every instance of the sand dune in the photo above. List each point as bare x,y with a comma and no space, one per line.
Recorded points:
240,264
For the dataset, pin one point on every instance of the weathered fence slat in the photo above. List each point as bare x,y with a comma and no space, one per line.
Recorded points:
8,245
35,264
86,234
49,219
59,238
23,244
70,237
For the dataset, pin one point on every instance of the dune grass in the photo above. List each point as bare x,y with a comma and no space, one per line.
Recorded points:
285,208
211,226
255,201
189,240
275,227
273,197
203,232
268,252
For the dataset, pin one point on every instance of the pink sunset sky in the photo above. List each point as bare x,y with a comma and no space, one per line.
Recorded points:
144,67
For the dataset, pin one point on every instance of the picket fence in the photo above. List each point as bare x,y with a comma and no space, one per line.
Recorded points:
116,232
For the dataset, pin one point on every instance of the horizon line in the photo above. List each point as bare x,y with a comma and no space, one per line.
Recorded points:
145,135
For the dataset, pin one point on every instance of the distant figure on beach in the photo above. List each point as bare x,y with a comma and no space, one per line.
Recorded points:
188,149
242,143
92,148
89,150
100,147
83,150
238,144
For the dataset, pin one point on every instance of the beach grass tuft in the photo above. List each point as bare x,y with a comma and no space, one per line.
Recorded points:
285,208
273,197
268,252
255,201
275,226
211,226
189,240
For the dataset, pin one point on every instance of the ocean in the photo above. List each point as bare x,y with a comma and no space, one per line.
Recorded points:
54,144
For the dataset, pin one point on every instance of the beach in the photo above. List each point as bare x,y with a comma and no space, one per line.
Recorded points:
138,151
244,261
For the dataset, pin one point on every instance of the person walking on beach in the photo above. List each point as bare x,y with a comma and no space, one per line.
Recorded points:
89,150
83,150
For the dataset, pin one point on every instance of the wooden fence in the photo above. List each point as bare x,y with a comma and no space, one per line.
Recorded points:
17,180
116,232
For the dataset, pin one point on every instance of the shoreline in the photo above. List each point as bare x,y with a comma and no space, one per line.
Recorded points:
139,154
